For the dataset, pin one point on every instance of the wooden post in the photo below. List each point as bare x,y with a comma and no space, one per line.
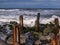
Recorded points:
38,16
20,27
56,26
56,30
17,35
21,22
36,25
14,36
37,22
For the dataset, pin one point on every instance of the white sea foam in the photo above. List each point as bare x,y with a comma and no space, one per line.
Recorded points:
13,15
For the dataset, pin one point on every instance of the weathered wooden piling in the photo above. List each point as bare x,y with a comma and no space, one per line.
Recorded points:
17,34
56,30
38,16
21,22
56,26
20,27
14,36
37,22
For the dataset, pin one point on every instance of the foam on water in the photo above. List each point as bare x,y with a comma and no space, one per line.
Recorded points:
13,15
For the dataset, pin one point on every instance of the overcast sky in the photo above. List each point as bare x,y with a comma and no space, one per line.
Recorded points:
29,3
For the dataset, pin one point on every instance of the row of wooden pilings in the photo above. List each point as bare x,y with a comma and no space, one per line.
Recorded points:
17,30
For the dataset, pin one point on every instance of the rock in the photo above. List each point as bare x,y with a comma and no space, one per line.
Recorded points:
37,42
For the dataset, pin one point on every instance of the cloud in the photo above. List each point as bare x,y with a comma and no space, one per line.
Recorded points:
3,0
25,3
32,3
38,0
49,2
46,0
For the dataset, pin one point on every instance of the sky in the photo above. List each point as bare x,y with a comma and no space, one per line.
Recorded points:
29,3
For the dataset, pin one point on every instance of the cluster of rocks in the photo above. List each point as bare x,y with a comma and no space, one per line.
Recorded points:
30,39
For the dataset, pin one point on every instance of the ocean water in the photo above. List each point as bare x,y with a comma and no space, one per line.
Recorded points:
29,16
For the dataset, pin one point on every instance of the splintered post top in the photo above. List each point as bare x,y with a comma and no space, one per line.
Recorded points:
56,21
38,16
21,19
21,22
